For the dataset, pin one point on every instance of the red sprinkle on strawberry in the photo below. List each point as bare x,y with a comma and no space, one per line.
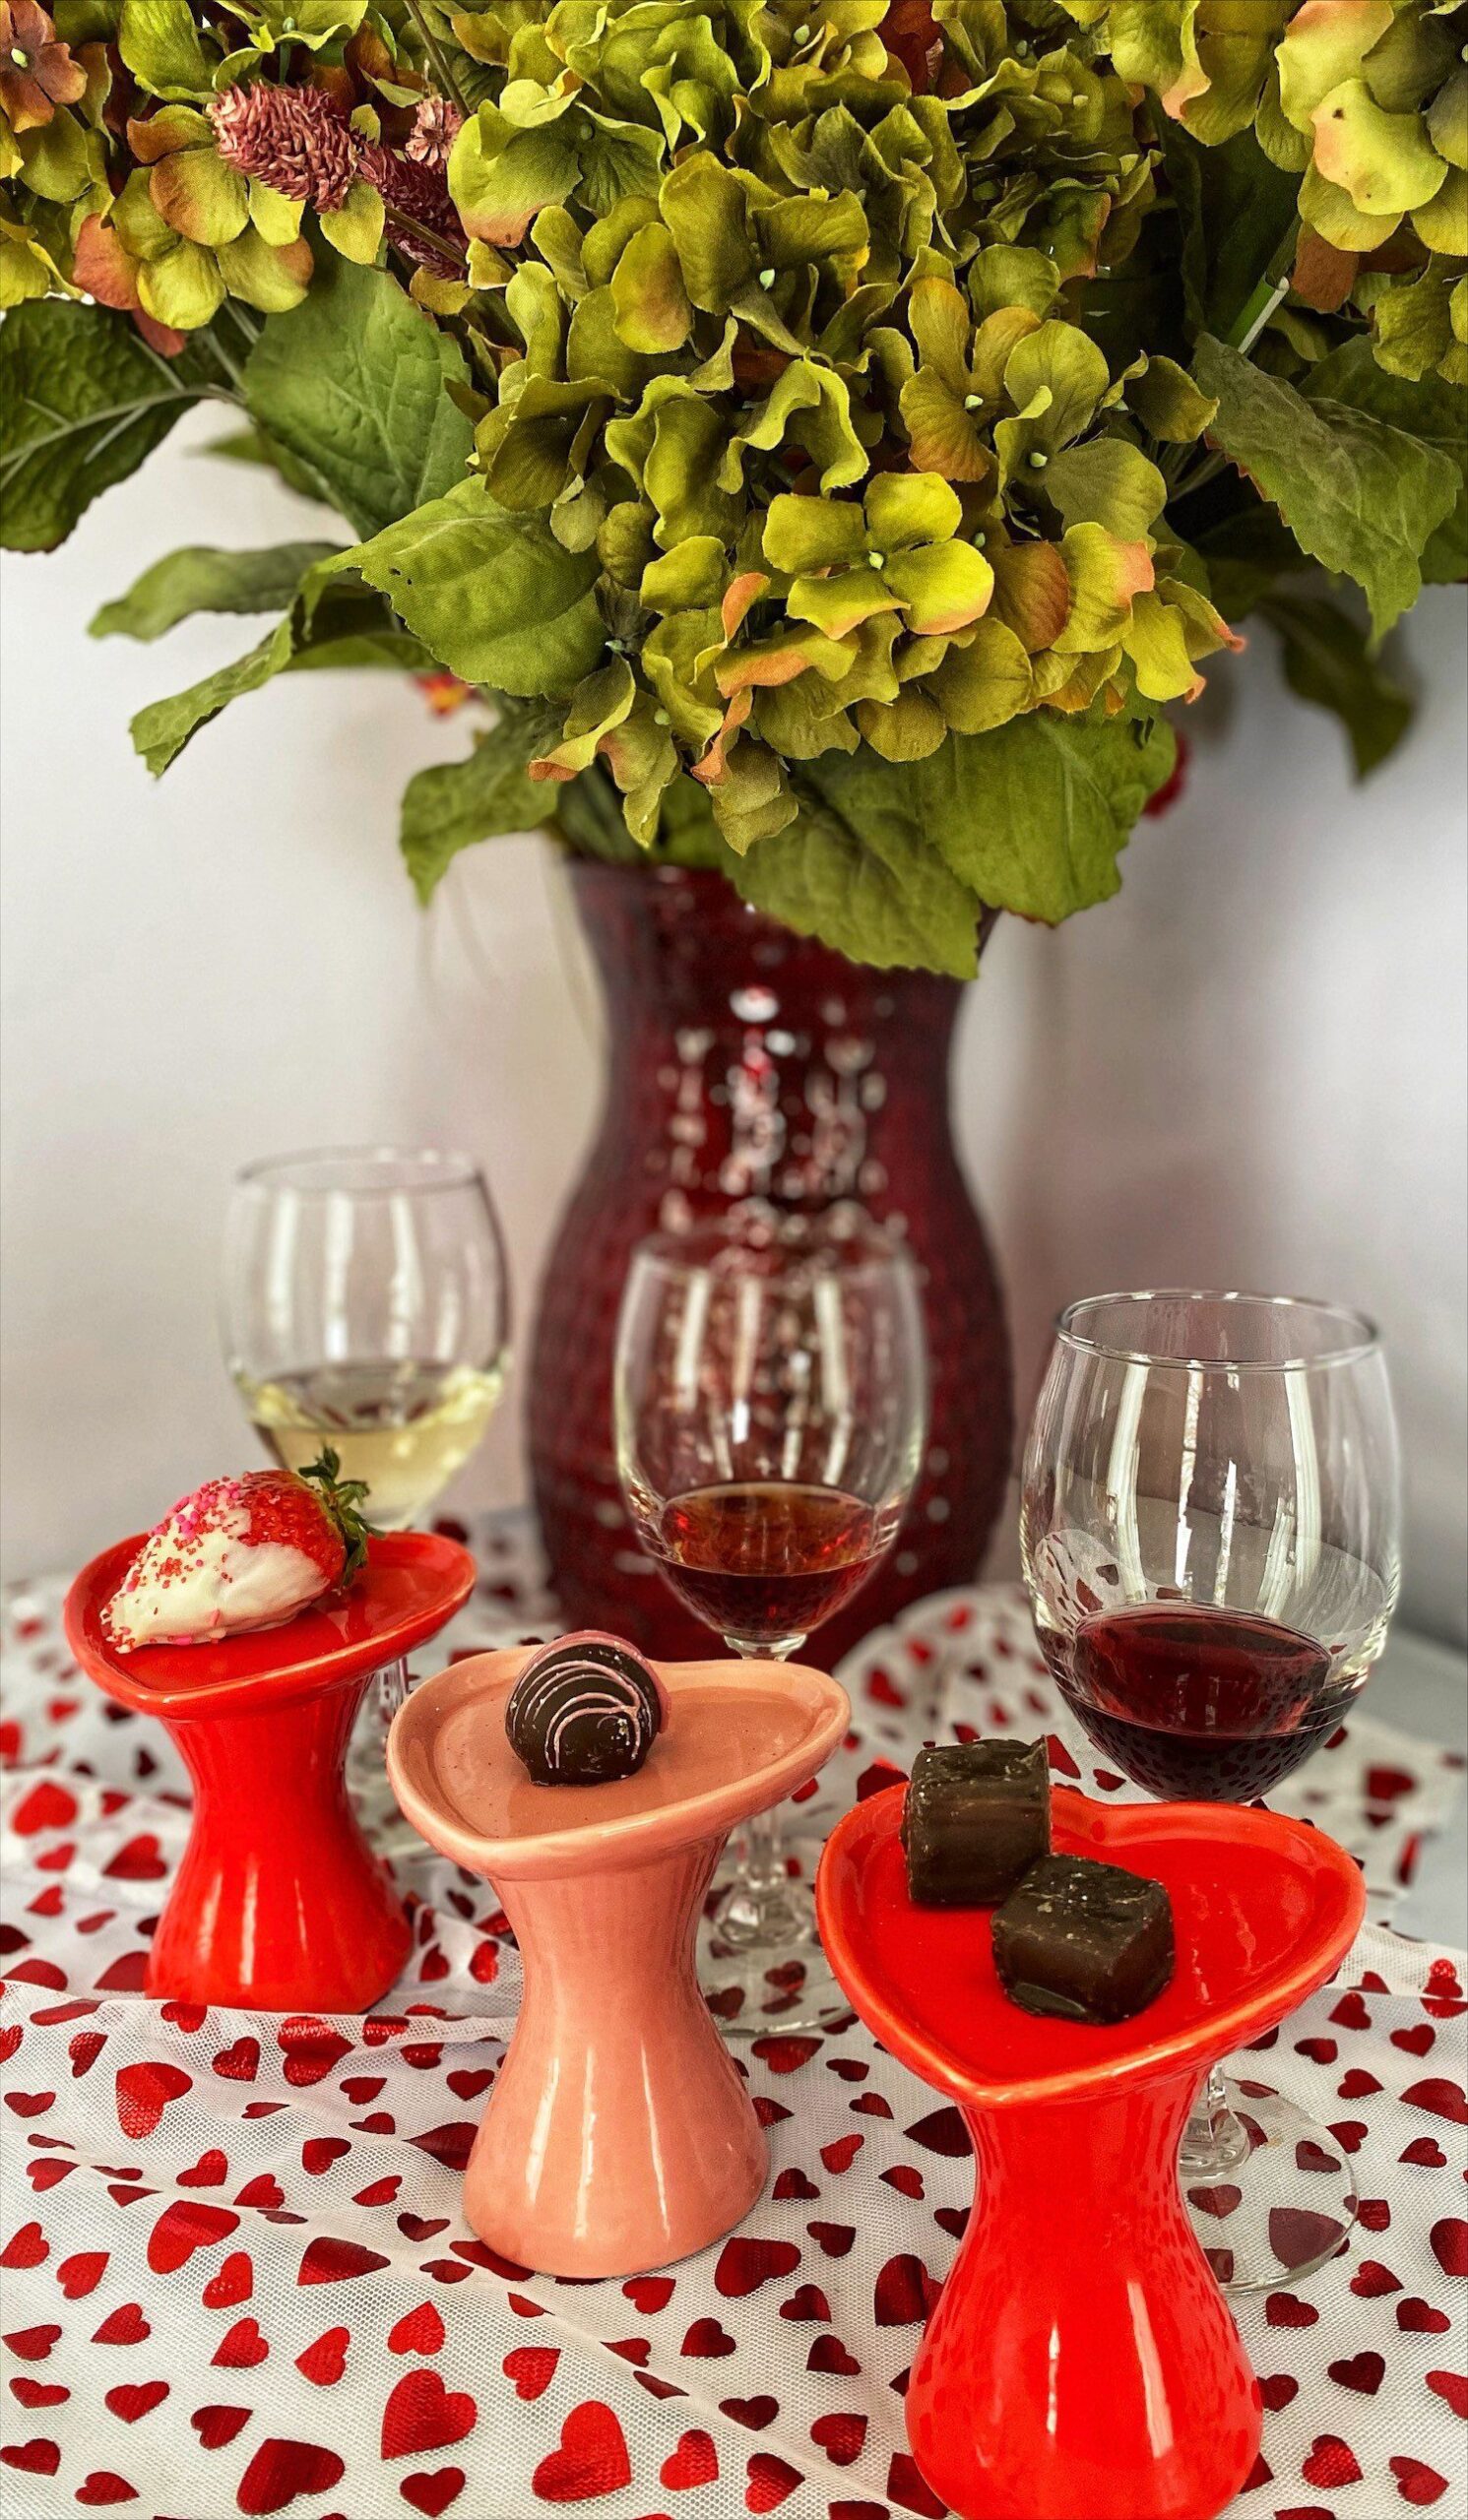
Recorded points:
241,1553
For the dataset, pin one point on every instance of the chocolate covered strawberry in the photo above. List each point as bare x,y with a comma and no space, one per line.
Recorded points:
241,1553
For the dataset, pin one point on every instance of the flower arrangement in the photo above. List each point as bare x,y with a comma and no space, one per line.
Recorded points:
829,434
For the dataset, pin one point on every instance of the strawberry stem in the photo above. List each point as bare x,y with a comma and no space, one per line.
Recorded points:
342,1500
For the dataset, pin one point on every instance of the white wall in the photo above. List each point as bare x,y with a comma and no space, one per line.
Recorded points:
1249,1069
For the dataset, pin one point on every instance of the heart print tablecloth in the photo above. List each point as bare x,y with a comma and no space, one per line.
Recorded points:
236,2279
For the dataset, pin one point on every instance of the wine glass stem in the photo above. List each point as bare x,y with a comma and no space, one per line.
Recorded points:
1214,2141
392,1692
758,1910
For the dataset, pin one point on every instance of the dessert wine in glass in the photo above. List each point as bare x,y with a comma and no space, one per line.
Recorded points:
365,1307
771,1396
1210,1534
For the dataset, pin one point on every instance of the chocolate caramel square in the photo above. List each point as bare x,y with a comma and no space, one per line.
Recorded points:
977,1816
1084,1941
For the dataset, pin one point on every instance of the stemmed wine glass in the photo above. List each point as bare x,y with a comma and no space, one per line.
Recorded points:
771,1398
1210,1535
365,1307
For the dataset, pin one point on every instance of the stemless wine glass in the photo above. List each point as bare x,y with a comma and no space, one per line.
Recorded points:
1210,1536
365,1307
771,1397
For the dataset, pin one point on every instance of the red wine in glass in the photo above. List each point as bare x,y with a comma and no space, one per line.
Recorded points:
765,1561
1199,1703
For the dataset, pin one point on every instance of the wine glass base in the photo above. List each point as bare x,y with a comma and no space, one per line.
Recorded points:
1284,2208
760,1963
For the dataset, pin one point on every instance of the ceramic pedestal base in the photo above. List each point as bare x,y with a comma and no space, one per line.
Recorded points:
620,2135
636,2064
1081,2358
1079,2287
279,1902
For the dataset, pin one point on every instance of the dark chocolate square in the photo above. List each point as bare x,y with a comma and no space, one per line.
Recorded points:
977,1815
1083,1940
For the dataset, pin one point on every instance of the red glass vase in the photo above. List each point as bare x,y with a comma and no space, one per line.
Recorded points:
750,1067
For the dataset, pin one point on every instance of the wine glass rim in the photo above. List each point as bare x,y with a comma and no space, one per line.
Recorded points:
1360,1336
435,1168
688,1253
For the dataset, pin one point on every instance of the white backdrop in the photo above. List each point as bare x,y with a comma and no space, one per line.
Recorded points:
1246,1070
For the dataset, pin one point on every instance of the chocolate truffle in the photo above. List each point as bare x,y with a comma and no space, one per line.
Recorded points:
584,1711
1086,1941
977,1814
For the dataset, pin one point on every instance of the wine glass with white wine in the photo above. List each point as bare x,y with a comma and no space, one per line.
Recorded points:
366,1307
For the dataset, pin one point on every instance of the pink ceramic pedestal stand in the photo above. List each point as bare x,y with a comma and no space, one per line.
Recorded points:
619,2135
1081,2363
279,1903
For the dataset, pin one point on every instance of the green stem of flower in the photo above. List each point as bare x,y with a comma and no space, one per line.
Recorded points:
1271,292
1198,479
242,321
226,362
423,235
448,78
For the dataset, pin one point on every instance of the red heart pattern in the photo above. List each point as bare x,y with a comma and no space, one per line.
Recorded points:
433,2493
423,2415
744,2264
183,2226
694,2461
418,2331
324,2362
282,2470
591,2458
130,2401
532,2368
285,2156
219,2425
143,2093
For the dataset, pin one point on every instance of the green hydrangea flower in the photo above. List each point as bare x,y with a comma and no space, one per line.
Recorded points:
1366,101
749,395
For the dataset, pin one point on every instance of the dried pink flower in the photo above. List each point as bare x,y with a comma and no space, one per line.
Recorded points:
435,128
292,139
419,191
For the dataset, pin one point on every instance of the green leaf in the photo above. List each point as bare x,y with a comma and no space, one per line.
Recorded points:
202,580
159,42
328,623
251,446
355,385
344,623
1248,551
1358,494
162,729
1034,816
83,401
460,802
856,870
493,594
1426,409
1328,659
388,650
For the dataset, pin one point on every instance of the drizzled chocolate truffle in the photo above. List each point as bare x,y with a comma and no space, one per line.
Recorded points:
584,1711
